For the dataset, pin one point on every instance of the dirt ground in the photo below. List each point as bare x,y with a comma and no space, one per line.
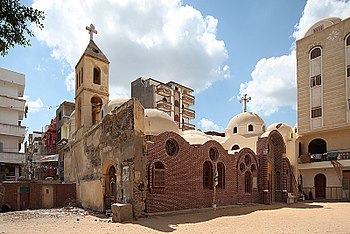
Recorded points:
277,218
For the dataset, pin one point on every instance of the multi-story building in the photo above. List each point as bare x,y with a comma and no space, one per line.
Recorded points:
12,109
62,128
172,98
323,79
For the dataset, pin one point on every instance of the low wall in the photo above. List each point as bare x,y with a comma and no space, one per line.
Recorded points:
20,195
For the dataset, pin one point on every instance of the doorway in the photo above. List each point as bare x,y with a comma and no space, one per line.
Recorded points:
320,186
110,188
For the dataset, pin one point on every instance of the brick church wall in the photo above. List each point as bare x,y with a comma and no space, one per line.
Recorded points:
184,176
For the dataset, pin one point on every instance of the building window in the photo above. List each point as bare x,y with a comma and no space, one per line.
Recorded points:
315,53
159,175
176,118
348,104
235,147
318,29
207,175
247,182
177,103
97,76
250,128
60,115
221,175
348,70
315,80
1,147
348,41
172,147
79,113
82,75
235,130
316,112
247,160
213,154
76,81
96,104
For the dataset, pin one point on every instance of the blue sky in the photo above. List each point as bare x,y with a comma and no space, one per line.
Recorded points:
221,49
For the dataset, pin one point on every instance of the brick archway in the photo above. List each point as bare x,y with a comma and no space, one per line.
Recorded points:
271,151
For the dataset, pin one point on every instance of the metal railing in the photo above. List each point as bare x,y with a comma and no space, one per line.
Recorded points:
331,193
328,156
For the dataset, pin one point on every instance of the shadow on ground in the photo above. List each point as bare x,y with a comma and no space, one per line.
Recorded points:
169,222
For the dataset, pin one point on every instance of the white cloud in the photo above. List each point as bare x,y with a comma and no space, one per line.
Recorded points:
33,106
273,83
163,39
208,125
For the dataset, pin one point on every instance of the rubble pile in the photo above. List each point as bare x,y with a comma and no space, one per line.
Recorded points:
43,213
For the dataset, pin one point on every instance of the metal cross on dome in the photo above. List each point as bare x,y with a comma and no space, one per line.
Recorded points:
245,100
91,30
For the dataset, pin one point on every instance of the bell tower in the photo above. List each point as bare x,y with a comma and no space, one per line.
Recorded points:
91,85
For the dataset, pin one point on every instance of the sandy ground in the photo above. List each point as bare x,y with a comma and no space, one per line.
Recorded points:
277,218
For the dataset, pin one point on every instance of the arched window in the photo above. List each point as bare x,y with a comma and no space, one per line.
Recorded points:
96,104
159,175
348,41
221,175
315,53
177,103
79,113
97,76
207,175
164,99
76,81
235,130
235,147
82,75
247,182
250,128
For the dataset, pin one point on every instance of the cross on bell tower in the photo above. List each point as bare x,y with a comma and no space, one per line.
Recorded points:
91,30
245,100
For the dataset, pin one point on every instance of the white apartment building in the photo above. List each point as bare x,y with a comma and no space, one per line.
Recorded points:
12,111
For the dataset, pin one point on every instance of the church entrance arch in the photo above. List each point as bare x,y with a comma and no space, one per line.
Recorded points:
110,188
320,186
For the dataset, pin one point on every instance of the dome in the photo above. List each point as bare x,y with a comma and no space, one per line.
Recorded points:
113,104
284,129
322,24
157,121
195,137
246,123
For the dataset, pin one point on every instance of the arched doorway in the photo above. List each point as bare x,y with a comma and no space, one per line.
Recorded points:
320,186
110,188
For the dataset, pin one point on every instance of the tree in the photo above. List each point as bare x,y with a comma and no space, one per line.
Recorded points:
14,28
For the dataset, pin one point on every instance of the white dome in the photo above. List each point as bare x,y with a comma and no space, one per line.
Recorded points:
324,23
242,121
113,104
195,137
284,129
157,121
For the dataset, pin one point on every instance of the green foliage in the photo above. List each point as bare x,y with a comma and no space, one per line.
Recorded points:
14,19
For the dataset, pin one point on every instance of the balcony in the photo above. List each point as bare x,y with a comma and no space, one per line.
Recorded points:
163,90
15,158
164,106
188,99
188,126
12,130
188,113
328,156
12,103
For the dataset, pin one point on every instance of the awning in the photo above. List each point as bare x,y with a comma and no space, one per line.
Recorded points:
45,158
